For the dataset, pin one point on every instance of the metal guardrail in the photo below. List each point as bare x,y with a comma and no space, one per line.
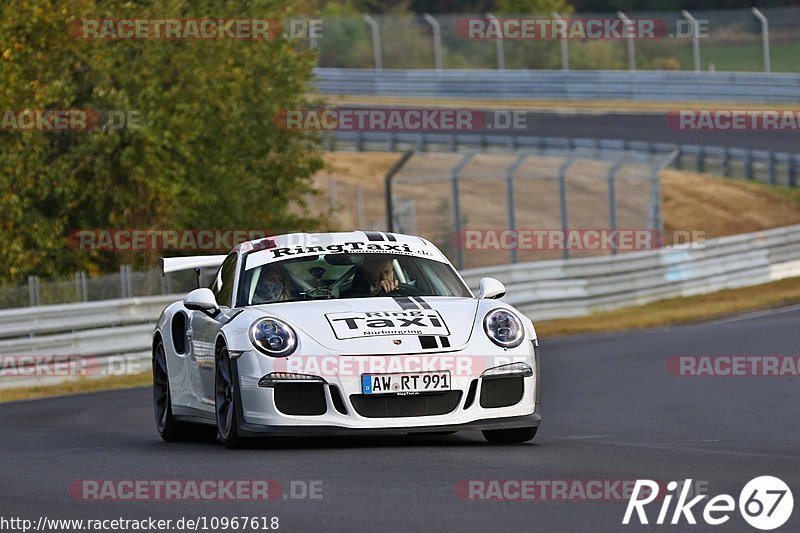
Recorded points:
109,337
32,322
544,289
668,86
578,287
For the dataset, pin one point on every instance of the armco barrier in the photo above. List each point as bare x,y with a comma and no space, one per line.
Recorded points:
578,287
564,85
545,289
96,330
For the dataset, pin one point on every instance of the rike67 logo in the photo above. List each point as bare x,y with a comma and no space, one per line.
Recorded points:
765,503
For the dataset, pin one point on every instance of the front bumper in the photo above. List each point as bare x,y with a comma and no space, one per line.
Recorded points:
256,430
339,407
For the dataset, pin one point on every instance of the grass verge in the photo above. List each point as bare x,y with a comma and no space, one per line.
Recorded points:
76,387
676,311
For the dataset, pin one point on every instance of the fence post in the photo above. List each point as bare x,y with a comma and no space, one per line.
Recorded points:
562,195
437,40
359,206
387,180
726,162
501,54
564,44
771,168
655,219
81,290
695,39
125,287
612,196
631,29
764,36
701,159
34,291
748,164
332,193
376,40
512,217
454,177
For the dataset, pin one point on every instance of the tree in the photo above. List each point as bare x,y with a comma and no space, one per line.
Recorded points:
208,153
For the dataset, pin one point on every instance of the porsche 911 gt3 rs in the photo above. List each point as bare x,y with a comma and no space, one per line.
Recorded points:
341,333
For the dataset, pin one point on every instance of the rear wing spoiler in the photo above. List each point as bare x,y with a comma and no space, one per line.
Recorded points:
175,264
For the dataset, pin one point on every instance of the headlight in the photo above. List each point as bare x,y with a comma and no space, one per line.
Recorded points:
273,378
518,369
273,337
503,328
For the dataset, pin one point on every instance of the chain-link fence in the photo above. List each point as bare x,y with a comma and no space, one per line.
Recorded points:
467,203
735,39
470,204
83,288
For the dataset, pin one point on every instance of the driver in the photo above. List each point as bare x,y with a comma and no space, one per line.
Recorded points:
374,276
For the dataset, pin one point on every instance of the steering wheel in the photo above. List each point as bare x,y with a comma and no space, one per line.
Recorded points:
320,293
406,289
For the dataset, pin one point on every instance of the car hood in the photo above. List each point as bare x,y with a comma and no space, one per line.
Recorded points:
382,325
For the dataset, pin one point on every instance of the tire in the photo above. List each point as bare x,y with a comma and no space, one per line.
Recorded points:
225,400
170,429
509,436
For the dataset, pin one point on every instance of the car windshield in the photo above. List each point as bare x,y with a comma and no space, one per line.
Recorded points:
334,276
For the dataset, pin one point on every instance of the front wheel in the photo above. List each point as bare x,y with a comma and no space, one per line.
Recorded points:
509,436
225,400
170,429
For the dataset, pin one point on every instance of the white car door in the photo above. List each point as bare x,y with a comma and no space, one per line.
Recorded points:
204,328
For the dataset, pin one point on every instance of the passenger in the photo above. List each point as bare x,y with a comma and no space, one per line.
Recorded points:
273,285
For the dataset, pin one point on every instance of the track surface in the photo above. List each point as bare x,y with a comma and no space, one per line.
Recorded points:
653,127
610,412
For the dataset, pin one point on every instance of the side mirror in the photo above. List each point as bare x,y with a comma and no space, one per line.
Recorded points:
490,289
201,300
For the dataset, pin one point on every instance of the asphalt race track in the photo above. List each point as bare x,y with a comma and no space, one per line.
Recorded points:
643,127
611,412
653,127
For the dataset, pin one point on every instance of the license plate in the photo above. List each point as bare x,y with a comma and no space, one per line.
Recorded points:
406,383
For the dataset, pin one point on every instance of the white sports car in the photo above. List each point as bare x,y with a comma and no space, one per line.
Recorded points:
341,333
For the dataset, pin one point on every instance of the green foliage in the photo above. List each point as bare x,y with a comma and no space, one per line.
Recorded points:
208,155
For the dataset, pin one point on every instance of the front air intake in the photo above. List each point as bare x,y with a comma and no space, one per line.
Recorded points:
386,406
301,399
501,392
